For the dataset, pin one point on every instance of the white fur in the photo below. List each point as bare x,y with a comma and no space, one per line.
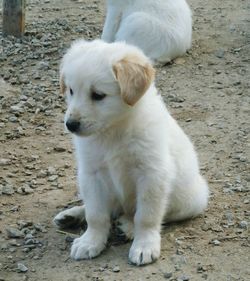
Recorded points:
161,28
132,160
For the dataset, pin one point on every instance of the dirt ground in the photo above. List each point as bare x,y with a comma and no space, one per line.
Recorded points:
207,91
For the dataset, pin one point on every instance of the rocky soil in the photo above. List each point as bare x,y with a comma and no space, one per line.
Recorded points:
207,91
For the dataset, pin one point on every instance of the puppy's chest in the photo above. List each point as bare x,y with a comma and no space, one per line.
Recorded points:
121,171
120,165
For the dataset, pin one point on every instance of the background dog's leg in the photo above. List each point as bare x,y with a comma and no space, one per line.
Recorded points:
70,217
149,213
111,25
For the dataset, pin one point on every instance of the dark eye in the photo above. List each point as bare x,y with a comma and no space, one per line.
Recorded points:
97,96
71,92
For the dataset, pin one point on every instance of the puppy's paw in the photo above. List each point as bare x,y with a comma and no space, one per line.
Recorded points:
71,217
126,225
145,250
86,248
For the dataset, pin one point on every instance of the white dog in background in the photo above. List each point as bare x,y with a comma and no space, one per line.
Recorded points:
134,161
161,28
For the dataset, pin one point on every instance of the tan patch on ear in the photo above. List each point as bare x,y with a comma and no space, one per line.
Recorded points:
62,85
134,76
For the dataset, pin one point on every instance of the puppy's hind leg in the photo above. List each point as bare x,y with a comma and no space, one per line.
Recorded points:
71,217
126,225
189,202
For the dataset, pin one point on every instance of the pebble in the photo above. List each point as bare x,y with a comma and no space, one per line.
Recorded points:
116,269
7,189
183,278
4,162
220,53
14,233
28,236
51,171
215,242
22,268
59,149
243,224
168,275
53,178
16,109
25,189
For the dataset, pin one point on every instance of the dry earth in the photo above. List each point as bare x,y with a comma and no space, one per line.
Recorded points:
207,90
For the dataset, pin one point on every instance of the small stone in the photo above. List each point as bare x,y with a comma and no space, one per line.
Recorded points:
25,189
21,267
30,242
40,228
43,65
179,61
22,224
215,242
30,103
51,171
59,149
4,162
8,190
116,269
13,119
28,236
42,174
14,233
168,275
53,178
16,109
243,224
101,269
220,53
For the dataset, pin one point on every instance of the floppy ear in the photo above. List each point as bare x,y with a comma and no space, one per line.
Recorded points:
62,85
134,75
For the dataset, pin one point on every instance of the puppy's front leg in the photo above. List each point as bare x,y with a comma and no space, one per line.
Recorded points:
151,200
97,209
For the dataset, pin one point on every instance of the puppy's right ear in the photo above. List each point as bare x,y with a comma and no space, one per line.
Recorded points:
134,75
62,84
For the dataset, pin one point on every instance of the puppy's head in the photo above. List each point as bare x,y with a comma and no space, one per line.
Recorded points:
103,83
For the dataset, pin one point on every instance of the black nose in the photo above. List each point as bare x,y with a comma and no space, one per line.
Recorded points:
73,125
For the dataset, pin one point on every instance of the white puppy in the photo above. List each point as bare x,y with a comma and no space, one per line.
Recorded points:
161,28
133,158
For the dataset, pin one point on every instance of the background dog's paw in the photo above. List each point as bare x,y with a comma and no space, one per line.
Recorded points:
70,217
144,251
84,248
126,225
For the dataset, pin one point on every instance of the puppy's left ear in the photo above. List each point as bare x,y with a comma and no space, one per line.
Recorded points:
134,75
